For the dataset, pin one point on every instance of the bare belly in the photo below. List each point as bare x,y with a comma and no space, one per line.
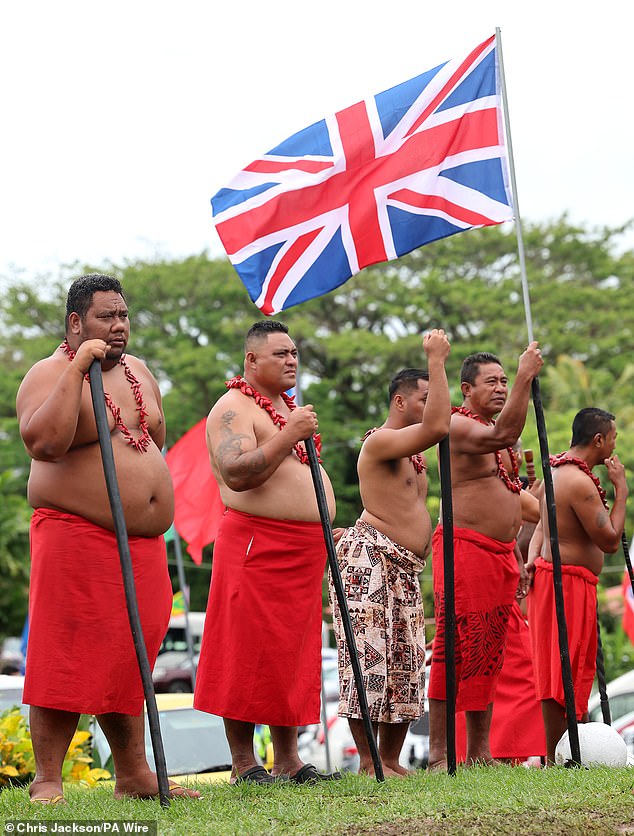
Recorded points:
289,494
487,506
76,484
577,554
412,531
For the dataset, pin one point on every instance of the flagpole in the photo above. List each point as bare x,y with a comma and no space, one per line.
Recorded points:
566,670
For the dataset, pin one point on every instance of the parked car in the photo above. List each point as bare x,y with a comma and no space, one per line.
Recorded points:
194,741
415,751
11,693
625,727
173,673
176,639
621,698
11,656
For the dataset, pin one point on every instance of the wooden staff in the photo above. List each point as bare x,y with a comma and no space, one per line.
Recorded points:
530,467
121,532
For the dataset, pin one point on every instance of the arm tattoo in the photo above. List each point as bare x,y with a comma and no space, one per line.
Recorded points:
229,450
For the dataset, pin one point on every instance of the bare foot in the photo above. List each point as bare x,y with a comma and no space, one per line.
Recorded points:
47,792
395,768
388,772
123,790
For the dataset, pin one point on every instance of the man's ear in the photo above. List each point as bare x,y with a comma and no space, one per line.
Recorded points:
74,323
465,388
398,401
598,439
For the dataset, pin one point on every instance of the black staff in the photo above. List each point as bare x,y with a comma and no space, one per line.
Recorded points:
628,562
564,654
450,601
603,691
343,604
105,443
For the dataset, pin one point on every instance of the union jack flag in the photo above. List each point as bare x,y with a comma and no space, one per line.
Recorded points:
418,162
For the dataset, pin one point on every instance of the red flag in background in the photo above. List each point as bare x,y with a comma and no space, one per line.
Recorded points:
198,506
628,607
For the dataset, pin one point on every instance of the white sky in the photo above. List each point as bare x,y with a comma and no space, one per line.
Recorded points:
120,120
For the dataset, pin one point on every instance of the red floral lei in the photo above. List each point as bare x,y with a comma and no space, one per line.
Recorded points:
417,460
143,442
566,458
266,404
512,482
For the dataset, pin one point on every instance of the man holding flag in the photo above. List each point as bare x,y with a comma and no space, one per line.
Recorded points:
487,515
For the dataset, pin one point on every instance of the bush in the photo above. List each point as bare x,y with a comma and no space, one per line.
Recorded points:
17,764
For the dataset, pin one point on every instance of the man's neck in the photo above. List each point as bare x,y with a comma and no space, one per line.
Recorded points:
585,454
481,413
275,396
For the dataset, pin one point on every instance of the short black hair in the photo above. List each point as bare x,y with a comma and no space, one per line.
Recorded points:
406,381
261,329
81,291
471,365
587,423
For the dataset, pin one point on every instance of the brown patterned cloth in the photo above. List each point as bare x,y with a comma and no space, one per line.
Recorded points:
380,580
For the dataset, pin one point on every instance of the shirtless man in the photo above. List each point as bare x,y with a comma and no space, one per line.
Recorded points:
260,658
488,569
381,556
81,656
586,530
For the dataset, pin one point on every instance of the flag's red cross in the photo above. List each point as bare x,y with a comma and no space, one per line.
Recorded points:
364,173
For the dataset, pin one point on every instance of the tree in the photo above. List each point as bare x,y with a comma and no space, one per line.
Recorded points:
189,318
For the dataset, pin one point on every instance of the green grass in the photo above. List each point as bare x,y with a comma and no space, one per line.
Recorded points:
503,800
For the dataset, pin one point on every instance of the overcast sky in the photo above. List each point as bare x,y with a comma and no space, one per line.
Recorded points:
122,119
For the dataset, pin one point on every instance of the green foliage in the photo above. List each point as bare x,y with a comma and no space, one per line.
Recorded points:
17,764
189,318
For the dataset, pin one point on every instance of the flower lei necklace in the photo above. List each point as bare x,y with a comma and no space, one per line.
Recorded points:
417,460
143,442
512,482
566,458
267,405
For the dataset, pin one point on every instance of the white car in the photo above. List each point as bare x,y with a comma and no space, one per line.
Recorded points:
11,693
620,696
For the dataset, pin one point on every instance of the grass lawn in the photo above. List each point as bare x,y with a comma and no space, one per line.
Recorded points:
502,800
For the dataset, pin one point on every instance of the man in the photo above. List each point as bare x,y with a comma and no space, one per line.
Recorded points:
381,556
81,656
260,658
586,529
487,515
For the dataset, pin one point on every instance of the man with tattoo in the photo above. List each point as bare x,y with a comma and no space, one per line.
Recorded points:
586,530
260,658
